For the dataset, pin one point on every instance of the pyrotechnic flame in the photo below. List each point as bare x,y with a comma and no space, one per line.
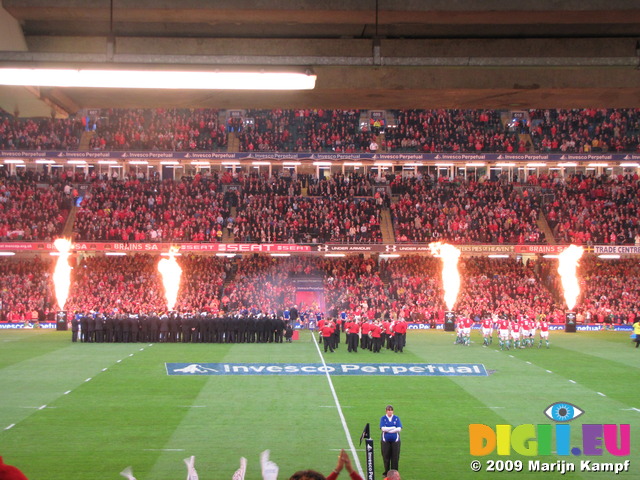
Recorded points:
450,275
567,266
62,272
171,273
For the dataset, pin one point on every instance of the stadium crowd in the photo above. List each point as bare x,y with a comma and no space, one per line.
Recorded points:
506,287
39,134
158,129
366,289
303,130
594,210
128,284
132,210
30,212
609,290
465,212
429,131
318,130
297,219
26,293
584,130
581,208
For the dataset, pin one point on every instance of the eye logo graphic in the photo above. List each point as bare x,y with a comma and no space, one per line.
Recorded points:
563,412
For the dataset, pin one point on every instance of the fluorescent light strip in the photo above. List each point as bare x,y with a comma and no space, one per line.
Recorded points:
156,79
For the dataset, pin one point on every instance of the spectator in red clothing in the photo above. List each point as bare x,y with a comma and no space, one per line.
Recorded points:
344,462
8,472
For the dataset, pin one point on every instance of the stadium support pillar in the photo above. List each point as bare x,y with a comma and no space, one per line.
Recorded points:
570,322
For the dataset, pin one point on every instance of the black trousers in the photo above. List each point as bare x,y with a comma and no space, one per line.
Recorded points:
352,342
390,455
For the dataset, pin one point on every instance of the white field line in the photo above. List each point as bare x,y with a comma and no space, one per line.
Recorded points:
352,447
42,407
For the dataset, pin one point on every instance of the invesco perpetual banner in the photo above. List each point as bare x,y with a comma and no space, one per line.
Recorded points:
190,156
371,369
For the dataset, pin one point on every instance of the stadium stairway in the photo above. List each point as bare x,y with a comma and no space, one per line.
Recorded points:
526,138
543,225
226,236
67,231
386,226
233,142
85,140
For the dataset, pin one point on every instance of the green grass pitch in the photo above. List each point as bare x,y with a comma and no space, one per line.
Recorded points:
87,411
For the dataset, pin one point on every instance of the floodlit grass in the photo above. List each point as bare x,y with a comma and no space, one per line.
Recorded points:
87,411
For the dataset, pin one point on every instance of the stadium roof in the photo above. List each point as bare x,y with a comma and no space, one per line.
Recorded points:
375,54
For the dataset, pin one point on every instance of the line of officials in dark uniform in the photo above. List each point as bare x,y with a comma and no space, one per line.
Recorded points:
241,327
